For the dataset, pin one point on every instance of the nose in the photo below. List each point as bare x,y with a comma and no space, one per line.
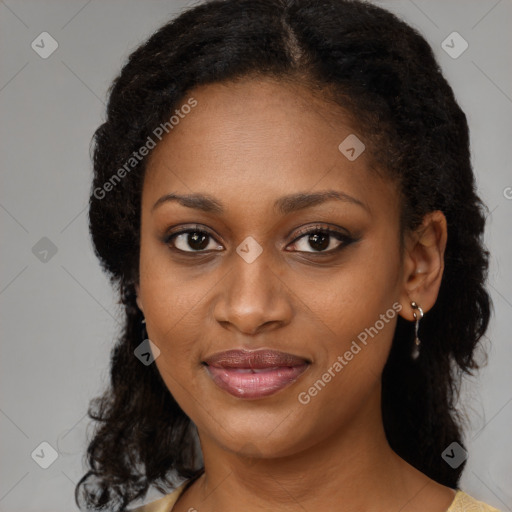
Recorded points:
253,298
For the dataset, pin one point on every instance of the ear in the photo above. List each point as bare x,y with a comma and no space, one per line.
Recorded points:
423,264
138,300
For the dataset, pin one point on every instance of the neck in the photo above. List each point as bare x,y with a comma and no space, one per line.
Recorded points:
354,466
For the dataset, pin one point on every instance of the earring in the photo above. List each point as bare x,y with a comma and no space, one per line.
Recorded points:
417,317
144,332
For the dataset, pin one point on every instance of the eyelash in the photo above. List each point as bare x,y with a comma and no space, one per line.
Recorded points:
341,237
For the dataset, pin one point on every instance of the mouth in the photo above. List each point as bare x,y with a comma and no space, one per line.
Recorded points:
254,374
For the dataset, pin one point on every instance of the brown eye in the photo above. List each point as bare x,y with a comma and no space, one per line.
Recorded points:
192,240
321,240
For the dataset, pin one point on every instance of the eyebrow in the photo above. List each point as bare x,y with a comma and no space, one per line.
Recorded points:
284,205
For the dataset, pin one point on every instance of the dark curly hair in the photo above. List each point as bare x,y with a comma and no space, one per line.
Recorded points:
385,75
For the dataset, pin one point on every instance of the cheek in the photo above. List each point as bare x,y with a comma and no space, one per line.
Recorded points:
354,295
359,304
170,300
357,307
168,291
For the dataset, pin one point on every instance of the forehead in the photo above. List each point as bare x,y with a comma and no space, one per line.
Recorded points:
237,117
262,138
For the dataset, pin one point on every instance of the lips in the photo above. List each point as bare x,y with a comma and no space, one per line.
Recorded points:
254,374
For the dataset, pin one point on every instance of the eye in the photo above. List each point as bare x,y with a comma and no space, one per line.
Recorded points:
192,240
321,240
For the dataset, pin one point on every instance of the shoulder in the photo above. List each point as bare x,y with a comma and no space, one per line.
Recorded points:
465,503
163,504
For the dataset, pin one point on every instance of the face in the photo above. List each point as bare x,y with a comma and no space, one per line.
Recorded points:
284,245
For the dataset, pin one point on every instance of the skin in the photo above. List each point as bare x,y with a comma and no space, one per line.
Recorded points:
247,144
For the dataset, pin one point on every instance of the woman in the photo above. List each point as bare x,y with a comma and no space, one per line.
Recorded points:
284,196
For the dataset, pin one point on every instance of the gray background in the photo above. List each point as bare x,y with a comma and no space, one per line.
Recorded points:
59,316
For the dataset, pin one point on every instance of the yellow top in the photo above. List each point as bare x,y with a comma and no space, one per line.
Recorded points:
461,503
